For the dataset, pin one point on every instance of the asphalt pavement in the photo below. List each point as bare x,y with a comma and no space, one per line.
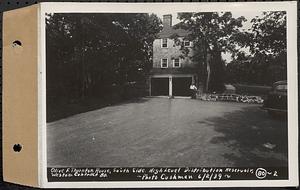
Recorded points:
165,132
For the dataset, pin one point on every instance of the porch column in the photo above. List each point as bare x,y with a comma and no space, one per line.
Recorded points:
170,86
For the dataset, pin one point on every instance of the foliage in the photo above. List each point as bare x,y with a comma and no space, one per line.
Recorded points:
212,33
266,42
269,34
97,54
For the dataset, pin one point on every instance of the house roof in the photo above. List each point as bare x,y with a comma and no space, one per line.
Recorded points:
168,31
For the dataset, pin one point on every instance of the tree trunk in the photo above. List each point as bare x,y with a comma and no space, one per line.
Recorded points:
208,70
82,73
207,65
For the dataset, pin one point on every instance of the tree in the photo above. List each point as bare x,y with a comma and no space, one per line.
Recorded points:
268,34
212,33
91,54
266,41
269,44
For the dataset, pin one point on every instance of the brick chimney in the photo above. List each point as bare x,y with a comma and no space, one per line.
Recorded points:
167,20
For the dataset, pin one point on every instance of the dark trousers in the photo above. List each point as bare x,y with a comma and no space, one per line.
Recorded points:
193,93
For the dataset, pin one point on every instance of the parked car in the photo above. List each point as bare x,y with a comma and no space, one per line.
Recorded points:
276,101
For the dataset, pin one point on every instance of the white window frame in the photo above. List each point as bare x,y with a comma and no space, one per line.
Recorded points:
186,41
162,42
178,62
161,63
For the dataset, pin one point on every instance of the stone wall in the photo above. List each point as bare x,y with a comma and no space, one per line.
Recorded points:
231,98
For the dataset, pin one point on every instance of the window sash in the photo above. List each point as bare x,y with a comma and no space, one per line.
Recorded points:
186,43
164,42
176,61
164,62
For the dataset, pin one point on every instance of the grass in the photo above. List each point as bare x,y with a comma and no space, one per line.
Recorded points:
253,90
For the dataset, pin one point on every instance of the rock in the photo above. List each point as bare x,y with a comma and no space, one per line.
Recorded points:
269,145
229,89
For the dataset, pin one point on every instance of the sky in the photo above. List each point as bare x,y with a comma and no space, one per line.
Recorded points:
249,15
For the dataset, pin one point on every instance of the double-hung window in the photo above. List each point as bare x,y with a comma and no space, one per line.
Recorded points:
176,62
164,63
164,42
186,43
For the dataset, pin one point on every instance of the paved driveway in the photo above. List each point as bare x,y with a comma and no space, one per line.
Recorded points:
169,132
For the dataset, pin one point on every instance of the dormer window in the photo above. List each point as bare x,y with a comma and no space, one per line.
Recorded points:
176,62
187,43
164,63
164,42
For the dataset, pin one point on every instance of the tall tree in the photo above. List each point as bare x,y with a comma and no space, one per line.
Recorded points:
88,54
266,41
212,34
268,34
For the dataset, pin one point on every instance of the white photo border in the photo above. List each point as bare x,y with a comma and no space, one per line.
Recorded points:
65,7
